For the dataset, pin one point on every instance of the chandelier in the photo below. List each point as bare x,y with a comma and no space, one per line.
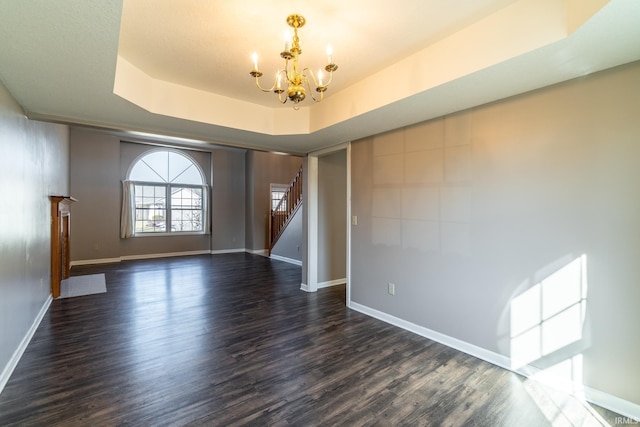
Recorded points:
290,81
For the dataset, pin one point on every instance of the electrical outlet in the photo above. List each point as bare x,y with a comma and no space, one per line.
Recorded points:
392,288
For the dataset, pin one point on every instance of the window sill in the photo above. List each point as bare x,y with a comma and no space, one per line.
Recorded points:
172,234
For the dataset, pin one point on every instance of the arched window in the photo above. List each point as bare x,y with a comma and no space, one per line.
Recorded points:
165,193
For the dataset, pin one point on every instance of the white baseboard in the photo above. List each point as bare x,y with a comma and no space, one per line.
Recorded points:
330,283
285,259
164,255
15,358
141,256
261,252
94,261
597,397
227,251
623,407
306,288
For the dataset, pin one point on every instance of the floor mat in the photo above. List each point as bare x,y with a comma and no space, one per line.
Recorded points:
83,285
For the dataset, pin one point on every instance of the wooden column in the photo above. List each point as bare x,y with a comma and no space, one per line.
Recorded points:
60,221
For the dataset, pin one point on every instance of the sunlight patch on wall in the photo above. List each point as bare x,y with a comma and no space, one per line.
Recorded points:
550,315
547,324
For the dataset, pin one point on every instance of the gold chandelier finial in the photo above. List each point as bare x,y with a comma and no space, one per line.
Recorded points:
295,79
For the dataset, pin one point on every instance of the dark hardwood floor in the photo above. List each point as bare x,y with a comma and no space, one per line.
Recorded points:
228,340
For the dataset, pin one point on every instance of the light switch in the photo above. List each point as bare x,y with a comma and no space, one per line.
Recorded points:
354,220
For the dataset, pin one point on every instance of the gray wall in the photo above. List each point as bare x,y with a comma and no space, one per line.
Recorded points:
94,170
33,165
228,200
98,163
332,216
264,169
468,212
250,207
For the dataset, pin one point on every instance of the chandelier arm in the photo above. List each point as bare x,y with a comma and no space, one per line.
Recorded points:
330,79
308,71
317,99
275,87
322,86
308,84
263,89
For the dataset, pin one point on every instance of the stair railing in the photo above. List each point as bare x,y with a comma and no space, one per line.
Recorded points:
286,209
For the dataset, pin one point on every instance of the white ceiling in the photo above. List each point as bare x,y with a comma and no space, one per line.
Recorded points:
208,44
181,68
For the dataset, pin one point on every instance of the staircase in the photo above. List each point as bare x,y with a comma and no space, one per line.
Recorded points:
286,209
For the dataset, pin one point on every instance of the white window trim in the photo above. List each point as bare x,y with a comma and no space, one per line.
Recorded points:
128,214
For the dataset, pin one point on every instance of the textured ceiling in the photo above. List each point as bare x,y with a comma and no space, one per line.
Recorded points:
208,45
180,68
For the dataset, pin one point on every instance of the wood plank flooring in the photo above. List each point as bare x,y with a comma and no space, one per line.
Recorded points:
229,340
